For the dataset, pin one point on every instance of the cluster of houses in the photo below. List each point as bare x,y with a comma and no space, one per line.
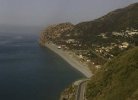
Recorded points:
127,33
106,51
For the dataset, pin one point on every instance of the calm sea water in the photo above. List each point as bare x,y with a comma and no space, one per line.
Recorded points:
29,72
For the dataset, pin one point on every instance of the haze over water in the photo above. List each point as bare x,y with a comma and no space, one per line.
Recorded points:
30,72
27,71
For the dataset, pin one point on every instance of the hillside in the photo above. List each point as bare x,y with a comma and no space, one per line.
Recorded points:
54,31
99,40
112,38
117,80
118,20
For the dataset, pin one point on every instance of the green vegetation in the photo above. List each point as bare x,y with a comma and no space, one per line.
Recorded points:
53,32
69,93
117,20
105,37
117,80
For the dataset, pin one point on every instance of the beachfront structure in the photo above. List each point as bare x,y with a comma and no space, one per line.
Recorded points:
59,47
70,41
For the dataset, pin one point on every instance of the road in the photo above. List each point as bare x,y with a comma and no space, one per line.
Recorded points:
81,91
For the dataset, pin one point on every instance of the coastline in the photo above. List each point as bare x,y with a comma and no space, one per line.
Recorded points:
70,59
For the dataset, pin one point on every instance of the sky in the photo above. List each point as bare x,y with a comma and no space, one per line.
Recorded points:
47,12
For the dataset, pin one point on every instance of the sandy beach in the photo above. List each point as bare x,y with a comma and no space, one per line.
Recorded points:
70,59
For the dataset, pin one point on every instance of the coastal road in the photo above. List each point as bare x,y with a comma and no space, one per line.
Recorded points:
81,91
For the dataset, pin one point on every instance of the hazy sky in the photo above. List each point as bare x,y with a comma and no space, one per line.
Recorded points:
43,12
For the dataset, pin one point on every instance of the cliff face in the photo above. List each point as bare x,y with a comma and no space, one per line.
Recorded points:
53,32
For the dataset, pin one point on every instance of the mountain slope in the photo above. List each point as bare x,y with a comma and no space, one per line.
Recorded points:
54,31
117,20
117,80
105,37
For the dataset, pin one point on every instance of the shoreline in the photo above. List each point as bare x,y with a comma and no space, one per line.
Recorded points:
70,60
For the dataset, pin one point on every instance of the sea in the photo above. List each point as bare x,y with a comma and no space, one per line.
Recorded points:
31,72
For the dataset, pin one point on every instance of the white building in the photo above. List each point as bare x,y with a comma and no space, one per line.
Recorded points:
70,41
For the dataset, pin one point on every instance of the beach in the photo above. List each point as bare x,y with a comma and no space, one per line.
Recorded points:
75,63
